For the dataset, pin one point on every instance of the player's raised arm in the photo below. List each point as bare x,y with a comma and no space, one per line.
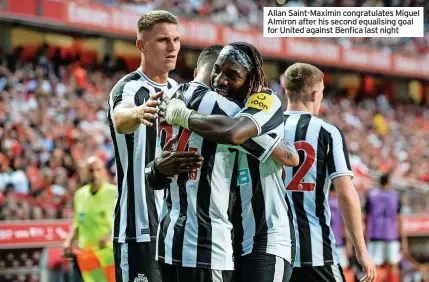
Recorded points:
216,128
261,114
127,117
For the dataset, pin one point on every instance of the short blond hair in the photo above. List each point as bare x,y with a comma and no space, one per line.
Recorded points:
299,78
150,19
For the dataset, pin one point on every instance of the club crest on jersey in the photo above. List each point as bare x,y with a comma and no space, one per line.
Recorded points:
260,101
141,278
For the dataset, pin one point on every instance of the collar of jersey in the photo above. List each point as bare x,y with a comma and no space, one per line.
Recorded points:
296,113
150,80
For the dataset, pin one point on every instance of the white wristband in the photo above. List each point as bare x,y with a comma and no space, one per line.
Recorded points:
177,113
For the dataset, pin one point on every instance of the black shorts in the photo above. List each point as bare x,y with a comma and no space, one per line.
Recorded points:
171,273
327,273
136,262
257,267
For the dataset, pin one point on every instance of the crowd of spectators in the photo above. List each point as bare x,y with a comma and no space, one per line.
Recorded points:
249,14
53,116
385,138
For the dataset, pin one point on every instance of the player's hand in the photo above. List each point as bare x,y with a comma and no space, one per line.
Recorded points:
171,163
67,250
174,112
148,111
368,267
165,101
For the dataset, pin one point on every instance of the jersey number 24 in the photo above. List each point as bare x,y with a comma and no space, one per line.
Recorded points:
182,142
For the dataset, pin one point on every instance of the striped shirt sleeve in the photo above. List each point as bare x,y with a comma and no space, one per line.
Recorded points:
124,93
338,156
265,110
260,147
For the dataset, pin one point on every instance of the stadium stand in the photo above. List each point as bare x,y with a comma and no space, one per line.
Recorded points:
53,115
243,15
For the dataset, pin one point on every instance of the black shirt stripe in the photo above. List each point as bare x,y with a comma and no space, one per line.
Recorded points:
346,152
292,230
120,177
130,231
165,222
258,205
330,157
119,88
275,121
151,133
322,149
253,147
179,227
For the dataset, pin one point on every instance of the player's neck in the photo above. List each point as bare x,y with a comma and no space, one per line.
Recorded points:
298,107
204,77
153,74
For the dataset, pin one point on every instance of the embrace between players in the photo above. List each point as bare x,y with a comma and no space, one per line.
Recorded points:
209,187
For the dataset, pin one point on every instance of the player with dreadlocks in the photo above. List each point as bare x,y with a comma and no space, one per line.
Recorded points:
264,236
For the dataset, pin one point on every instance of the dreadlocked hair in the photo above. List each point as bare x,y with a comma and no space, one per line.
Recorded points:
257,78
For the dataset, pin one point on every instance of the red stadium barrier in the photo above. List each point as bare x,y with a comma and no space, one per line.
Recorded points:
122,22
20,234
27,234
416,225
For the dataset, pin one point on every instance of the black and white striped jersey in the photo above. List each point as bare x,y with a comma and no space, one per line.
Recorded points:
262,215
323,156
195,228
137,208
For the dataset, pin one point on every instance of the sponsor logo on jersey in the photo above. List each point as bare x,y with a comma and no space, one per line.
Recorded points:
243,176
260,101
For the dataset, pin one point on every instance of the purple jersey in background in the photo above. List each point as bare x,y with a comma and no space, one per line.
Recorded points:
337,224
382,208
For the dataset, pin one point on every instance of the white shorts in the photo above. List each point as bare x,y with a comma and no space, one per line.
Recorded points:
344,258
385,251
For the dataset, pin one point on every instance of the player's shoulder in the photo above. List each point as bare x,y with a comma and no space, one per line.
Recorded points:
130,77
172,91
171,82
133,78
263,100
333,130
185,89
224,101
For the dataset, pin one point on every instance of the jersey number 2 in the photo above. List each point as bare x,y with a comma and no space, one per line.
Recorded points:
182,142
296,183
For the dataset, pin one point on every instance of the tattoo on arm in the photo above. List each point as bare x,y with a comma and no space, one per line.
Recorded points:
290,148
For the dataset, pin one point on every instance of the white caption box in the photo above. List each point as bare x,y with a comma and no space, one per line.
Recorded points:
343,22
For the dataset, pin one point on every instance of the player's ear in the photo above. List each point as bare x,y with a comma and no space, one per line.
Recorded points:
140,45
195,72
313,96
